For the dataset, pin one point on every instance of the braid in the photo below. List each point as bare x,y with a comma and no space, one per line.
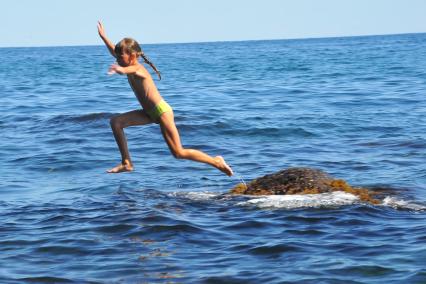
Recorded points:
129,46
150,63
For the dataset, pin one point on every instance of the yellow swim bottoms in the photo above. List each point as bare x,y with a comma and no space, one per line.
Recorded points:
158,110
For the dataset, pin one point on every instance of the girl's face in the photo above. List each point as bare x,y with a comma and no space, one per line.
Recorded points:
123,59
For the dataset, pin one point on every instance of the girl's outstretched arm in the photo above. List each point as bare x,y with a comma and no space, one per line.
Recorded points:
107,42
133,69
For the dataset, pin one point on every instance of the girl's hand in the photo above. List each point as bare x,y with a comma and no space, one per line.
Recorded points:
104,38
115,68
101,30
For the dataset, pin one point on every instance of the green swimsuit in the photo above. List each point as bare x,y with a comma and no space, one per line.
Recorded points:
160,108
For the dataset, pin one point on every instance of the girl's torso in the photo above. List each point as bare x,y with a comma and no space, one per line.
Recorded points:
145,90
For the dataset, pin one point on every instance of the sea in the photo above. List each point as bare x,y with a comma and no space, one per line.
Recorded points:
353,107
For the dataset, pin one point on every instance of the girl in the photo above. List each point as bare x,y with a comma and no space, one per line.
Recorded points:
154,108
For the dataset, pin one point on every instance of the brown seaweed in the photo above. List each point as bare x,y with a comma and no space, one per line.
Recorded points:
301,181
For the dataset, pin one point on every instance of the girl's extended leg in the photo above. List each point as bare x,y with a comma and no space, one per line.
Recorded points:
171,135
118,123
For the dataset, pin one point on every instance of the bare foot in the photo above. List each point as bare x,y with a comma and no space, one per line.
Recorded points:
223,166
121,168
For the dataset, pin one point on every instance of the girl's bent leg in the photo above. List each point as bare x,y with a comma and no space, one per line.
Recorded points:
118,123
171,135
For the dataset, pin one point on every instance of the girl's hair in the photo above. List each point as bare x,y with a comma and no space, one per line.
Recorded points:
129,46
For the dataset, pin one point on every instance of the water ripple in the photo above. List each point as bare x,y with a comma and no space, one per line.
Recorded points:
352,106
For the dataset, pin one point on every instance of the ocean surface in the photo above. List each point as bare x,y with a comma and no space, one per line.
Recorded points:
354,107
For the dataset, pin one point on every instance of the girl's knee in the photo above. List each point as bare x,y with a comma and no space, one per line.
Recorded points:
178,153
116,122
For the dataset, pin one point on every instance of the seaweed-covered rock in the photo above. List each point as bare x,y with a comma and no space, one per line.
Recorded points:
300,181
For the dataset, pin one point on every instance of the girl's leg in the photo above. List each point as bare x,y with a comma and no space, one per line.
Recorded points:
118,123
171,135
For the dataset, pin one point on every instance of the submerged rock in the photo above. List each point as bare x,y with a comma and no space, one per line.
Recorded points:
301,181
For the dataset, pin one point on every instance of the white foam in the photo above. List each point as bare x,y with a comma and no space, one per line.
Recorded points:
331,199
196,196
402,204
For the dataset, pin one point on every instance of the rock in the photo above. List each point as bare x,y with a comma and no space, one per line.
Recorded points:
301,181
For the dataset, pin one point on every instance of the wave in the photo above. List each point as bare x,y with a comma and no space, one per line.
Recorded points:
273,132
403,204
47,279
195,196
243,130
90,117
296,201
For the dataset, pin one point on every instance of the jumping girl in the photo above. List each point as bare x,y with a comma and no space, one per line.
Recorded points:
154,107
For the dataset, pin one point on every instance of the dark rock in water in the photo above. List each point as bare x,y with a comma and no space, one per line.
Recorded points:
301,181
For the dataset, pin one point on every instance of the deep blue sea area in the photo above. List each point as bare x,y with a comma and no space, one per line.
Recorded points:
354,107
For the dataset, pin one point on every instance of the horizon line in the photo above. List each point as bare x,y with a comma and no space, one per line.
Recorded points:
225,41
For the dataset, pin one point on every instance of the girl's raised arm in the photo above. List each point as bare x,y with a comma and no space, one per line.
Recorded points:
107,42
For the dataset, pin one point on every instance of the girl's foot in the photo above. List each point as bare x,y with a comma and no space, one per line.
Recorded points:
126,167
223,166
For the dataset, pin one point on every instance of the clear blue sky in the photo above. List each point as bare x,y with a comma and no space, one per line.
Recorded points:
73,22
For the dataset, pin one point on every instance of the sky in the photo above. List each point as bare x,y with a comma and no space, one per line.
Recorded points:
73,22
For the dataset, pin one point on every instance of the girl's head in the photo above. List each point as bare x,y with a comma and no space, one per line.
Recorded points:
128,50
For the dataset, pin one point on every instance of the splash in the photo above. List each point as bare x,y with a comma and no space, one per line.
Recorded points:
242,185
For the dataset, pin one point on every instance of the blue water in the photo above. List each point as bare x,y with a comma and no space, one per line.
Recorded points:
353,107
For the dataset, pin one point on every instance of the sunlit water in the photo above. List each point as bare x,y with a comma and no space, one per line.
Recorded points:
353,107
